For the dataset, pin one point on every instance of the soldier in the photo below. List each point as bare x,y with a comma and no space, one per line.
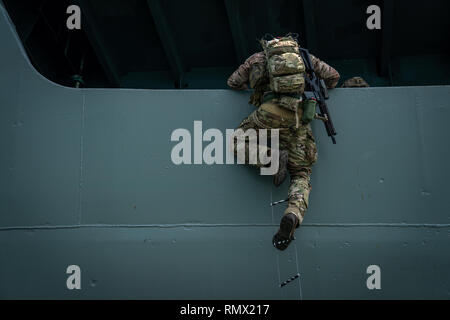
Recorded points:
298,150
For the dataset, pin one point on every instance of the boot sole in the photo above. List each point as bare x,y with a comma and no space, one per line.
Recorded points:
285,234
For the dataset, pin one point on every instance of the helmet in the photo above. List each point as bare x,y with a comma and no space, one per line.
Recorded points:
355,82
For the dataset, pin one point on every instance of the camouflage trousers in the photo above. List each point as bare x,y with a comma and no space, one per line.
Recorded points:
301,146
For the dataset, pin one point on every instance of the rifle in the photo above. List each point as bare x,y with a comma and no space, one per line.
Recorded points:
318,92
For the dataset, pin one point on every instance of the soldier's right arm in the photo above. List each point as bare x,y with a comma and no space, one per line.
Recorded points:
325,72
239,79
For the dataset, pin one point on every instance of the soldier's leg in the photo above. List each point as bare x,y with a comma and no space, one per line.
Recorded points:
269,120
299,190
245,142
302,155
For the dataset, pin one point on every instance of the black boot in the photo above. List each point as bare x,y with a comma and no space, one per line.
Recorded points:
281,175
285,234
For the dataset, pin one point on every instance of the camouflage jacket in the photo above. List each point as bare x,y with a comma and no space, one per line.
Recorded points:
239,79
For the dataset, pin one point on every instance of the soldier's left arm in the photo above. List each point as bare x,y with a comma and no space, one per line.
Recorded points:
325,72
239,79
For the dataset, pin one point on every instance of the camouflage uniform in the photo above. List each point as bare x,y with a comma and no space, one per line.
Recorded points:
299,142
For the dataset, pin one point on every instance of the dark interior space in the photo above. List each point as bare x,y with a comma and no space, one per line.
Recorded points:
197,44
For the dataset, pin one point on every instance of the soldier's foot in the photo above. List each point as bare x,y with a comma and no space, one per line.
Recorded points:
281,175
285,234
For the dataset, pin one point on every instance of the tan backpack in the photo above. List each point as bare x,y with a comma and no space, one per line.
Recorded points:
285,65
